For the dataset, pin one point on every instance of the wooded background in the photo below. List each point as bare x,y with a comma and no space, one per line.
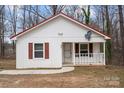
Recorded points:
109,19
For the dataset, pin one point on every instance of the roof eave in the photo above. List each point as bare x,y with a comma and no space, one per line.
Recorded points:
107,38
13,38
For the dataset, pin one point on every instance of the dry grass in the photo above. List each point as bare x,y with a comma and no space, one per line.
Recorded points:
109,76
7,64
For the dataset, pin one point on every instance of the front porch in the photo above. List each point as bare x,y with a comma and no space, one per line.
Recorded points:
76,54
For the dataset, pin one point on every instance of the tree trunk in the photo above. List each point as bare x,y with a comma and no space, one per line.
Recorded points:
37,17
24,10
108,43
3,49
14,25
103,19
54,8
87,14
2,31
122,32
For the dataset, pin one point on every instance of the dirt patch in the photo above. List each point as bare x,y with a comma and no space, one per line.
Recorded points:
43,81
114,83
110,76
7,64
29,81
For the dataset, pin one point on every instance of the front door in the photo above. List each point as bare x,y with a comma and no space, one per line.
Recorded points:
67,53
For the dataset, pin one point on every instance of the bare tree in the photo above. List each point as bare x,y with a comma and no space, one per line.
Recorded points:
87,14
33,11
55,9
2,14
107,20
108,29
13,18
37,17
121,31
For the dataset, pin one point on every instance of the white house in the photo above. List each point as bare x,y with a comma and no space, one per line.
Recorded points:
58,41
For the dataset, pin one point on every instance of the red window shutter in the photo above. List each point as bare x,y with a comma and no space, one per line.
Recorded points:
47,50
30,50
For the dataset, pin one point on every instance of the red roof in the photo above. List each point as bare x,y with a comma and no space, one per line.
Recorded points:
67,17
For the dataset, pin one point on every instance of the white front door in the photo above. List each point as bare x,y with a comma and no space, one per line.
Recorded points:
67,53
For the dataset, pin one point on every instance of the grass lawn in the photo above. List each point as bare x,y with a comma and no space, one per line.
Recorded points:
109,76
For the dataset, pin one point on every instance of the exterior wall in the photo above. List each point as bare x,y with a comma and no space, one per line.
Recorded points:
52,62
96,47
70,32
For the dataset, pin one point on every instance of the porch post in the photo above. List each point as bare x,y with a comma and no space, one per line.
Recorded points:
88,54
104,51
73,52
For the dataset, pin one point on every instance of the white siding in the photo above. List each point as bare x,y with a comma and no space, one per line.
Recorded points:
96,47
52,62
49,33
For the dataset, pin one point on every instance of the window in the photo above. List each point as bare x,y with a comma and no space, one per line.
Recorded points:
38,50
83,48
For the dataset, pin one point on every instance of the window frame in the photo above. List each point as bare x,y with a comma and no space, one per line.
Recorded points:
38,50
